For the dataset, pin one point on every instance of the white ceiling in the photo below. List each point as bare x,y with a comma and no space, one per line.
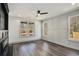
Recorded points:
26,10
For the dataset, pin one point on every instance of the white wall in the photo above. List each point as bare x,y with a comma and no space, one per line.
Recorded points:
58,30
14,25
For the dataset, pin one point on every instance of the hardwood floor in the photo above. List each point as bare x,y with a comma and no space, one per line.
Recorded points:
41,48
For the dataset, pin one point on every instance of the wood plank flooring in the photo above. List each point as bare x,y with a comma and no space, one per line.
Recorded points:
41,48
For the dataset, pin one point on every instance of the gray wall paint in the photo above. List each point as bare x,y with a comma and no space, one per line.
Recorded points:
58,30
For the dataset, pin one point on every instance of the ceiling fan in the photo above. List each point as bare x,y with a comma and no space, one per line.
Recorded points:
40,13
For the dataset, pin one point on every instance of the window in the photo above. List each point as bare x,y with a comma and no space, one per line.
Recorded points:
74,27
27,28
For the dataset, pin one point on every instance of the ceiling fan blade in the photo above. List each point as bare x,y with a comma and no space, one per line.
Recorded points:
44,13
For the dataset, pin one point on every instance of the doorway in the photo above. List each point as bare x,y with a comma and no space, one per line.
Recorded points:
45,30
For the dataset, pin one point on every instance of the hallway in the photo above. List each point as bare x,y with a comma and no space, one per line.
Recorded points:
41,48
